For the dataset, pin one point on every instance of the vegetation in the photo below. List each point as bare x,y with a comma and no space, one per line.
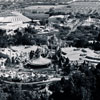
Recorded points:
79,81
81,85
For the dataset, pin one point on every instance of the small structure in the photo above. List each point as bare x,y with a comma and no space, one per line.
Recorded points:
56,19
89,21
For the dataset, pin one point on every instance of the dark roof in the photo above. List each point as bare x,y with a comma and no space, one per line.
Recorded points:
3,55
37,16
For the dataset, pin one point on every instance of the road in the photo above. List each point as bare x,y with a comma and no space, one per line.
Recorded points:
36,83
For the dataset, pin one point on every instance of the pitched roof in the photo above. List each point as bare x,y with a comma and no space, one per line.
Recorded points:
13,17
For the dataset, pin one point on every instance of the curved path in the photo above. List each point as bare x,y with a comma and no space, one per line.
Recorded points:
35,83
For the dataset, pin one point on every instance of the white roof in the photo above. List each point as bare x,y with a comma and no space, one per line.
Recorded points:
41,61
13,19
57,16
90,19
16,18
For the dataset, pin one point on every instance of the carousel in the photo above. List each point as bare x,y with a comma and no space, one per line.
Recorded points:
38,63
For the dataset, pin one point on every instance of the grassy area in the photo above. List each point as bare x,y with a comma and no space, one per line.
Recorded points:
84,6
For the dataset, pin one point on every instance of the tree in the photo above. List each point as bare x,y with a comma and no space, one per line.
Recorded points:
2,32
51,11
81,43
97,94
98,37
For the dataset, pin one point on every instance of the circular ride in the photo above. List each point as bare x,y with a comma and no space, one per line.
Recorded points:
38,63
26,74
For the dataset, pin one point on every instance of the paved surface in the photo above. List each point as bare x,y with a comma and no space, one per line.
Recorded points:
36,83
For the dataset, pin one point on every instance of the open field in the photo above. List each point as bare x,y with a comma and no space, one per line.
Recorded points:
42,8
85,6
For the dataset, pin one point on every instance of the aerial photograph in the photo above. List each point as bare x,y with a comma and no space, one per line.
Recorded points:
49,49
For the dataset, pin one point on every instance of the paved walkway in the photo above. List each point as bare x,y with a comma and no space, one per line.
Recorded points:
36,83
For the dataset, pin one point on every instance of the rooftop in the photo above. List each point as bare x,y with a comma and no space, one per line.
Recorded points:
13,17
6,14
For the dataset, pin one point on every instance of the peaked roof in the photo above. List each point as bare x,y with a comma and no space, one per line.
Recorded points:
40,61
13,17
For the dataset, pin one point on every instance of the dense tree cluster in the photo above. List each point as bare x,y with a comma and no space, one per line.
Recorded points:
25,36
82,83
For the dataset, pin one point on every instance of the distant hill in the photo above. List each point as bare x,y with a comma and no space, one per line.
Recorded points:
35,0
56,1
88,0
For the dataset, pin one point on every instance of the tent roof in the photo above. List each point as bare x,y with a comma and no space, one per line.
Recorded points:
14,17
40,61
